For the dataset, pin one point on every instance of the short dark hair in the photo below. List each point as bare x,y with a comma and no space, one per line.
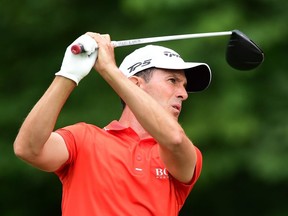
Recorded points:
146,75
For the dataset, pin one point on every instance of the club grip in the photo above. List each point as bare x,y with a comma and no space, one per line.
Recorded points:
77,49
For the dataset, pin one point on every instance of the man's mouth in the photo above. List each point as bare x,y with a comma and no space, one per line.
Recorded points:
177,107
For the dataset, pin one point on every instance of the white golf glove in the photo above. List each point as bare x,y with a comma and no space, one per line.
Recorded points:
76,67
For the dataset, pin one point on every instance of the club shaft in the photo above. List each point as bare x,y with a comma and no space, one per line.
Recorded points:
78,48
167,38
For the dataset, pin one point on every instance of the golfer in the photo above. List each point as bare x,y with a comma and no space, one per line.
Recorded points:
142,164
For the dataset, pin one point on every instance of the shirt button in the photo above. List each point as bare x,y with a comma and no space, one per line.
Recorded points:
139,158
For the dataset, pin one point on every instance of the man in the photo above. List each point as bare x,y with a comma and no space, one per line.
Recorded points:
142,164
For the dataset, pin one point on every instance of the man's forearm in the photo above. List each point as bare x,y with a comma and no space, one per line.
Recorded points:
41,121
153,118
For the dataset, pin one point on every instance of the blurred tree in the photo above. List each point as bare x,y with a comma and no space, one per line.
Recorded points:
239,123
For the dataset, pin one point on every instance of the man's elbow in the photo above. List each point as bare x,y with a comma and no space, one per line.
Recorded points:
177,140
23,151
19,150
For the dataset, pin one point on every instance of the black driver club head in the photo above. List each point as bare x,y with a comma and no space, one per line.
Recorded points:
242,53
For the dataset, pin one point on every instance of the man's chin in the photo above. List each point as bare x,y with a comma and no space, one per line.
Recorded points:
176,115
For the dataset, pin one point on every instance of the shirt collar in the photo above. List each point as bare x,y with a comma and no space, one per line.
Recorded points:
116,126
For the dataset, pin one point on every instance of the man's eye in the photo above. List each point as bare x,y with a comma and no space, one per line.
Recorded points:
172,80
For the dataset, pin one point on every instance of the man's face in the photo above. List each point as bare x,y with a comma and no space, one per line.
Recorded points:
168,88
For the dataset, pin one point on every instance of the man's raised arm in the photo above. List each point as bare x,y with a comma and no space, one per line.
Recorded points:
36,143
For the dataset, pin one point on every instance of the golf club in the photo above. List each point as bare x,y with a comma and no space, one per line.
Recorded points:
241,53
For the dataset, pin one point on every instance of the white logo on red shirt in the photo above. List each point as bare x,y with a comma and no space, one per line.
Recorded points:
161,173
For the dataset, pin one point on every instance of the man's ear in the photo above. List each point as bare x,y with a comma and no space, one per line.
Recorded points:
136,80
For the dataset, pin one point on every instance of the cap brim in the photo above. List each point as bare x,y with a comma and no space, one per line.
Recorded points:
198,75
198,78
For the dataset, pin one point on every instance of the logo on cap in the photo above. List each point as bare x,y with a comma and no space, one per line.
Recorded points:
170,54
138,64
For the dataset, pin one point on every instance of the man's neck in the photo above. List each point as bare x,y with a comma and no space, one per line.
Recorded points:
128,119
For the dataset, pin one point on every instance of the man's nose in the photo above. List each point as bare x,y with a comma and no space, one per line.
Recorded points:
182,93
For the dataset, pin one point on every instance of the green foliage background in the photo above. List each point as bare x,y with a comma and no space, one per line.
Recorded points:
239,123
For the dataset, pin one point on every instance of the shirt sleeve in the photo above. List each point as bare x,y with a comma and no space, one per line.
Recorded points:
72,136
182,189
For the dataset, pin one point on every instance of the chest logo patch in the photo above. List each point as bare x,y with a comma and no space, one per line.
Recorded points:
161,173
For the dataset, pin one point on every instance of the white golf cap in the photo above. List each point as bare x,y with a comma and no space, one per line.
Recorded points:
198,75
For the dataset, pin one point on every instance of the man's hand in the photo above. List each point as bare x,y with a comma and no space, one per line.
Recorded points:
105,53
76,67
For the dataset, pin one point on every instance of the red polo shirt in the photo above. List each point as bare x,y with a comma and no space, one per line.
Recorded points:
112,172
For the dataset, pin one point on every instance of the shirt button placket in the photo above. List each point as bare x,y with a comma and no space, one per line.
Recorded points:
138,163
